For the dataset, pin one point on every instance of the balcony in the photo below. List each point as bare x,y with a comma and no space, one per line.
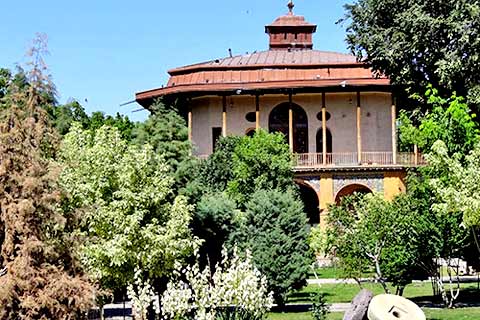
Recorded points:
350,159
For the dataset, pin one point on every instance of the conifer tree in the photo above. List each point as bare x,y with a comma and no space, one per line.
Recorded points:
40,277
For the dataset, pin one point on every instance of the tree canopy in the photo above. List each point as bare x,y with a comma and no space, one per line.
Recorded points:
131,221
449,120
417,42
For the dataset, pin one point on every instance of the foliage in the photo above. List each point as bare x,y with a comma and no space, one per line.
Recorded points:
65,115
388,236
449,120
142,295
275,229
42,278
417,42
130,220
261,162
213,222
98,119
317,239
320,308
217,170
237,290
457,189
166,131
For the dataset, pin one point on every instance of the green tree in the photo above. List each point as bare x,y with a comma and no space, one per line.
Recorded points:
131,221
417,42
217,170
166,131
98,119
213,222
64,116
275,230
261,162
40,275
449,120
457,188
369,231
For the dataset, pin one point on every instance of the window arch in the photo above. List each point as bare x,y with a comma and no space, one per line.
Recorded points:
250,132
278,122
320,141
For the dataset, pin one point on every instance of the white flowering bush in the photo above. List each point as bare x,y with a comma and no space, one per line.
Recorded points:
142,295
236,290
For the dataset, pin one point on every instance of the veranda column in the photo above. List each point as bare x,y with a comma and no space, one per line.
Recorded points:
257,112
415,154
290,121
189,103
359,129
394,130
224,116
324,130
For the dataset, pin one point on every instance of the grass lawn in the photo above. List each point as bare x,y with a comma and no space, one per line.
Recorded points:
302,316
332,273
432,314
345,292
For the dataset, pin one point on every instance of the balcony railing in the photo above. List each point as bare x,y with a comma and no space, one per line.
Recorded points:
349,159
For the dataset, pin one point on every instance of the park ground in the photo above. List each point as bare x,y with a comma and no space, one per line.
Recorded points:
419,292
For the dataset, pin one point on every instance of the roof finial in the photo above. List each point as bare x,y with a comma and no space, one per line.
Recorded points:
290,7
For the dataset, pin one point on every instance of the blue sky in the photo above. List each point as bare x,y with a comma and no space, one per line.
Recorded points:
105,51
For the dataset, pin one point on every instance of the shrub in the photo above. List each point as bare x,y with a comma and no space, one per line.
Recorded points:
275,229
320,309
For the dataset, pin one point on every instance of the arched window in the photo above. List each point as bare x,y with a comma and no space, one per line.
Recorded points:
320,141
250,132
278,122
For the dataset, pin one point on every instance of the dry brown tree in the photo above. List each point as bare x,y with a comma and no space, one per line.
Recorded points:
40,277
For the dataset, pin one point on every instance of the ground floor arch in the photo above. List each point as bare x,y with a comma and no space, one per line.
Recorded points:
351,189
310,202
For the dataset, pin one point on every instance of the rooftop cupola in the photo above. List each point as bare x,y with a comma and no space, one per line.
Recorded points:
291,32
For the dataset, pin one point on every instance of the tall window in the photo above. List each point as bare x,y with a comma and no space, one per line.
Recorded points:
278,122
320,141
216,134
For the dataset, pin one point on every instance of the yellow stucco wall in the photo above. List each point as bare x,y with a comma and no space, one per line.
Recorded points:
325,197
393,184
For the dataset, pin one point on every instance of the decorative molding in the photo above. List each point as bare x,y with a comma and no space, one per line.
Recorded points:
312,181
373,181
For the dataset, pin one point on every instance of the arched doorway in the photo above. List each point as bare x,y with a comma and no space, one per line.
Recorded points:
351,189
320,141
310,202
278,122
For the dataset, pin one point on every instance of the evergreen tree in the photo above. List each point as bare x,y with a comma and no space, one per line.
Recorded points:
42,277
275,230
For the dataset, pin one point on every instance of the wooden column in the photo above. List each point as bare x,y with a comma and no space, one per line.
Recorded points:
324,130
224,116
394,130
359,129
257,112
290,121
415,154
189,106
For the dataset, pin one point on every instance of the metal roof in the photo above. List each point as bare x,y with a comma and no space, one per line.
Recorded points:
274,58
